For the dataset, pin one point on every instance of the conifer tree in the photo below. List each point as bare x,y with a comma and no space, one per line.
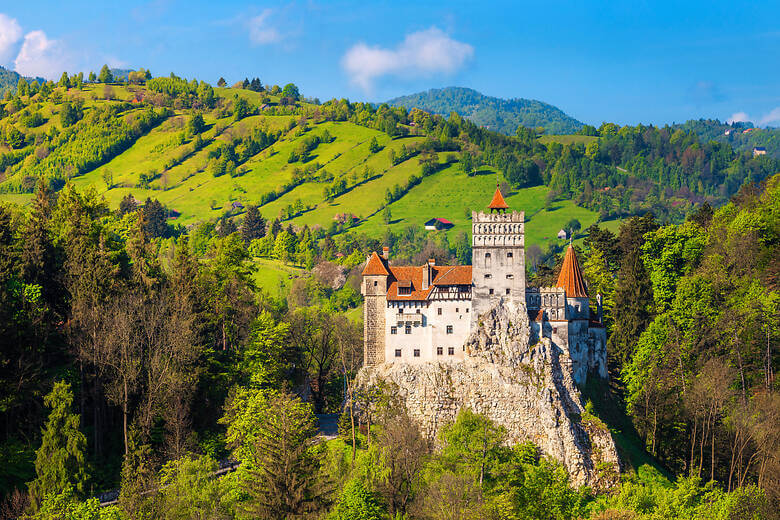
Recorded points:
59,462
221,82
253,225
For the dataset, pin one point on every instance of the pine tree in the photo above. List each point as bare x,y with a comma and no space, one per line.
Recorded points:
60,461
633,291
40,265
253,225
276,226
221,82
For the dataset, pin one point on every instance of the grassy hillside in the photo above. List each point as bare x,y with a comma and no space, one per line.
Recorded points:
500,115
161,163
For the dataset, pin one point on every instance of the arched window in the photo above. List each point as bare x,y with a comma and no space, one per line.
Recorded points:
487,260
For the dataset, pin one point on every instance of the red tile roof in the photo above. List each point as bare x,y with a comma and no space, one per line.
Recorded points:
498,201
404,276
571,278
443,220
375,266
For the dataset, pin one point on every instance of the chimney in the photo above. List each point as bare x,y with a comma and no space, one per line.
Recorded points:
386,253
428,273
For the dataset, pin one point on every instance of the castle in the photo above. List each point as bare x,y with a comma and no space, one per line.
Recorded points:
419,314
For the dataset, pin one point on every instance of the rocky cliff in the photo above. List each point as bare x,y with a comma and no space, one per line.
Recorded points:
527,388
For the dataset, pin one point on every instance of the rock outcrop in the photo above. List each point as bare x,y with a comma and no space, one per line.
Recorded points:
527,388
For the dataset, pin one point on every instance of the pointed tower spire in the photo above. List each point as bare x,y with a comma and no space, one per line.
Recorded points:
571,278
498,203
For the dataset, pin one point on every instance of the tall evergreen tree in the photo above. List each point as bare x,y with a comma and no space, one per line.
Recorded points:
633,307
253,225
60,461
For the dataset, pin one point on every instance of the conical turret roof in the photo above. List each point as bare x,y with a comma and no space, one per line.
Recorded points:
375,266
498,201
571,278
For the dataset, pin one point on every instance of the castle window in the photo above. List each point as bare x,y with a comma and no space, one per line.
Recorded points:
510,276
400,310
487,259
418,311
449,329
398,352
375,283
490,291
507,290
438,311
408,329
487,276
555,330
404,290
451,351
457,309
417,352
393,330
439,351
509,255
467,310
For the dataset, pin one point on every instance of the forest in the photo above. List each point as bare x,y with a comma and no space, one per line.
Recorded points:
142,356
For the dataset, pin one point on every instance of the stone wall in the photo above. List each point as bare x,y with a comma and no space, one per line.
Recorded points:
527,388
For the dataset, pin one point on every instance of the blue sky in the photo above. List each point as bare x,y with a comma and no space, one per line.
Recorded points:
627,62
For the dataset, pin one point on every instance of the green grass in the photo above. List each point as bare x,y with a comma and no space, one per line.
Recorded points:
451,194
273,277
191,190
567,139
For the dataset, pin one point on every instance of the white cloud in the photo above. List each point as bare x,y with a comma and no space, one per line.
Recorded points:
260,32
772,117
41,56
738,117
10,36
422,53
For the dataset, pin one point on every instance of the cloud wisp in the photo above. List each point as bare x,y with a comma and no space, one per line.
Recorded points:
771,117
420,54
261,32
10,39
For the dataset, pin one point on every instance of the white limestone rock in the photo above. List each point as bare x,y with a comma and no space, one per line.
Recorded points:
526,388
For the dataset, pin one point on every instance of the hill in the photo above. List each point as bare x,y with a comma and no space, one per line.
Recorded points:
10,78
742,136
500,115
209,153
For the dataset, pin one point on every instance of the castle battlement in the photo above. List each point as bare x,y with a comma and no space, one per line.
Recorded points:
418,314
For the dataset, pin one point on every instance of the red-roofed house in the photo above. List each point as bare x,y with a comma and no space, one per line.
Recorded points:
437,223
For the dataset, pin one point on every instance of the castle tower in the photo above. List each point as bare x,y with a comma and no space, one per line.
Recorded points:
374,289
498,265
572,281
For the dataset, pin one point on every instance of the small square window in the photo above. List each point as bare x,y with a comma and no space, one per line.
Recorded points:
509,255
398,352
439,351
457,309
375,283
510,276
418,311
417,352
467,310
451,351
487,255
438,311
400,310
507,290
555,330
487,276
408,329
490,291
449,329
393,330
